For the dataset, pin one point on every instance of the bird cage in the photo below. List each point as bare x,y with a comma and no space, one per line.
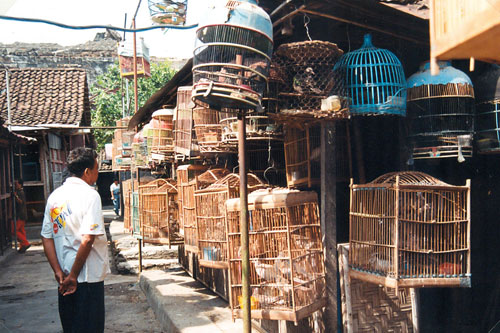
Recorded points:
258,128
441,113
275,84
410,230
160,215
190,179
209,131
232,54
267,161
287,272
307,70
144,203
185,142
148,139
139,149
460,29
126,59
127,190
302,155
211,217
161,132
374,79
487,90
172,12
135,216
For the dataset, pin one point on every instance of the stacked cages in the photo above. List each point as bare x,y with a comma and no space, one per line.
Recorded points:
159,215
211,217
408,229
185,142
287,273
304,73
441,113
209,131
190,178
232,55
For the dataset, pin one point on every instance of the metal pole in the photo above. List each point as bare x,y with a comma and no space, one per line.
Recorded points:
14,211
135,68
245,261
9,113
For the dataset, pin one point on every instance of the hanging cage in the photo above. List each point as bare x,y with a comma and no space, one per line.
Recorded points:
374,79
171,12
306,69
258,128
232,55
410,230
441,113
126,59
139,149
487,125
161,130
287,273
185,140
211,217
209,131
275,84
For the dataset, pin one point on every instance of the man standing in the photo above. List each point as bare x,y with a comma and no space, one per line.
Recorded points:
21,215
115,196
75,243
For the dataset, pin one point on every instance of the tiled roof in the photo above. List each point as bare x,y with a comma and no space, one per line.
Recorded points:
46,96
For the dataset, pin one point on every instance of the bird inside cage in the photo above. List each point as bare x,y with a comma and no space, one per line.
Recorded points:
304,82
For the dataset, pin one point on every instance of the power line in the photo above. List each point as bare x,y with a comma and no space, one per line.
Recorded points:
85,27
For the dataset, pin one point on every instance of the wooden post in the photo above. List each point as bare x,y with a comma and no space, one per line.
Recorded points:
358,144
329,220
245,260
414,311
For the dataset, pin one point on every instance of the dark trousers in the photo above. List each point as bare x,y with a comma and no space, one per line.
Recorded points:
83,311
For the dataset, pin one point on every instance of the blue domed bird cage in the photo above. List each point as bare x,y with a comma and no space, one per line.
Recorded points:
232,55
441,113
487,126
374,79
171,12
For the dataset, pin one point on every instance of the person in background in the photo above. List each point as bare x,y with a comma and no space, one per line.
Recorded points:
115,196
75,243
22,216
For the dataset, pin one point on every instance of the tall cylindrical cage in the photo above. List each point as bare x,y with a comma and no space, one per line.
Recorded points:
287,272
232,54
410,230
306,69
374,79
487,125
441,113
171,12
211,217
185,141
162,132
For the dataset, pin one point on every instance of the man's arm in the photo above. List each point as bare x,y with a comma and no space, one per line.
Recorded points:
50,252
69,284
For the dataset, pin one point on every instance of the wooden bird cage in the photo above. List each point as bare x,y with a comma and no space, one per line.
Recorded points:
126,59
408,229
461,29
185,141
258,128
302,155
159,214
142,190
127,190
135,216
306,71
287,272
208,131
211,217
161,132
190,179
368,305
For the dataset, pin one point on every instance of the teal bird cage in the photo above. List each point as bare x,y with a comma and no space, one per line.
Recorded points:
232,55
171,12
374,79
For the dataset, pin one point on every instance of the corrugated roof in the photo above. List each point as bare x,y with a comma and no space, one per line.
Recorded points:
57,96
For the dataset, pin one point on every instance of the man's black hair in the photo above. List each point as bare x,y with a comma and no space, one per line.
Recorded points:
80,159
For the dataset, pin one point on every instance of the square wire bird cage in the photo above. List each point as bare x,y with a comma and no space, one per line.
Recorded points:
191,178
211,217
410,230
159,213
287,272
304,71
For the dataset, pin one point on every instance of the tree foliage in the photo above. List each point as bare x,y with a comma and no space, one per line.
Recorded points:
106,97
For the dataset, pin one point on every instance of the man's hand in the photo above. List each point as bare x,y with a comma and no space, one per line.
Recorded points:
59,276
68,285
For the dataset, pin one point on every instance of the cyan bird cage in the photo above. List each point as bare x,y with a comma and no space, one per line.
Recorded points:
487,88
168,11
374,79
441,113
232,55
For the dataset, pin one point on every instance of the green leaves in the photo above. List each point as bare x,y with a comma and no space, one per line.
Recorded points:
107,92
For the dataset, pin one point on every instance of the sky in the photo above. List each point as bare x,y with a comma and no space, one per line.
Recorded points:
172,43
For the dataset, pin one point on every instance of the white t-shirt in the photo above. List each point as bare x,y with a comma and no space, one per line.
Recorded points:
114,187
74,209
